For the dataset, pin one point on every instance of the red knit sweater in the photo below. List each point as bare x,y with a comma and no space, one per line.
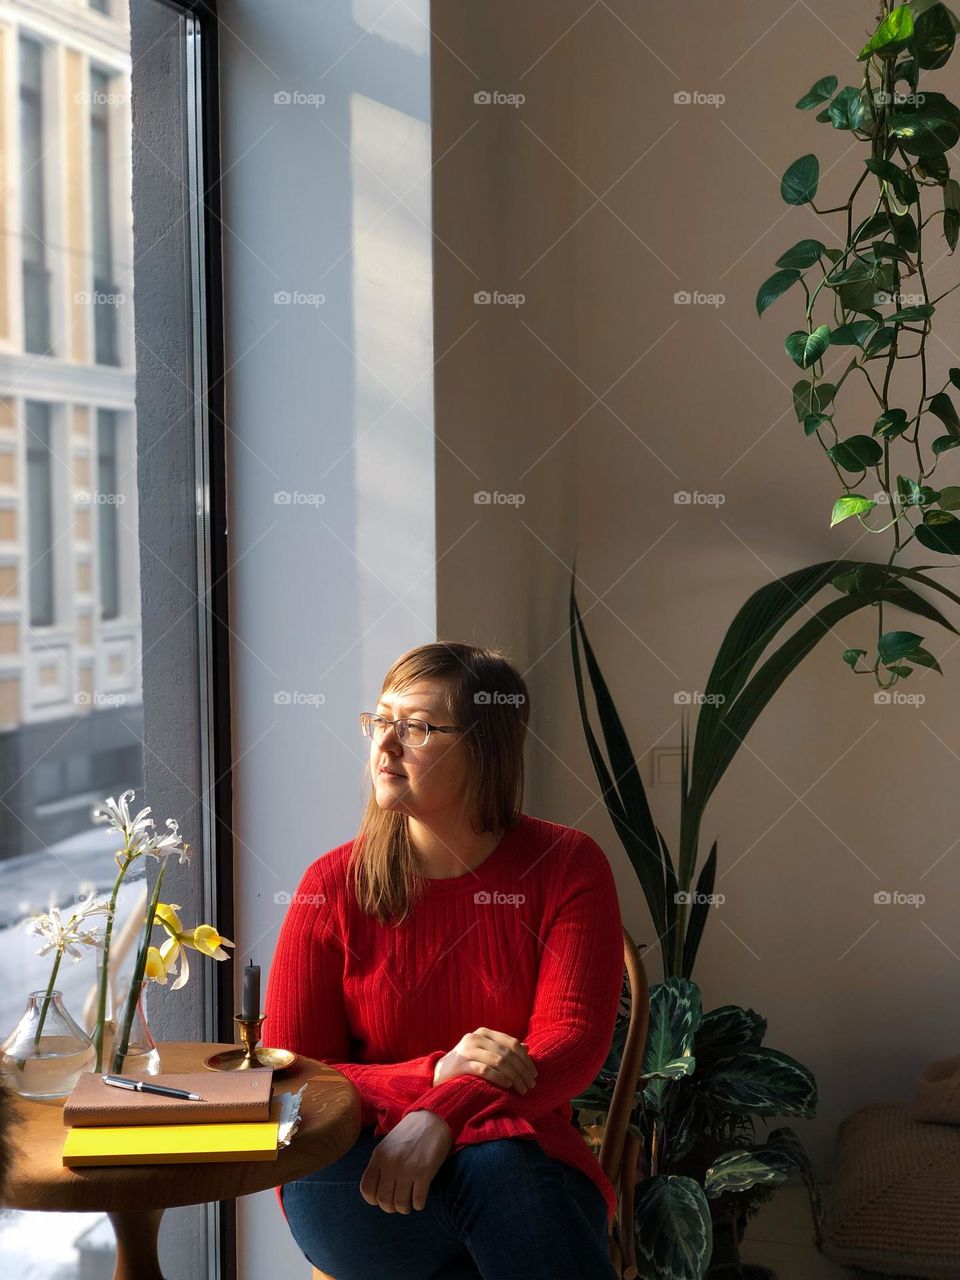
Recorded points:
529,943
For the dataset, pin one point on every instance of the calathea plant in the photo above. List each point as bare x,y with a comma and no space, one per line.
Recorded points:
871,301
707,1078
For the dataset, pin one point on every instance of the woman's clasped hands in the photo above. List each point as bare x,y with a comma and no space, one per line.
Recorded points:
406,1160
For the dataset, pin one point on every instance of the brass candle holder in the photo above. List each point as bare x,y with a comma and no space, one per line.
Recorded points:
253,1054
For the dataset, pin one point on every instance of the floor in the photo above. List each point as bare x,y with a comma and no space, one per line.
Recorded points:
781,1237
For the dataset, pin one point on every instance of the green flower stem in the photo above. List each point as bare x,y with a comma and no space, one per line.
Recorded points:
105,967
122,1043
21,1062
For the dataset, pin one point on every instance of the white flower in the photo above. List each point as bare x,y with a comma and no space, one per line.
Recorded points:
67,937
161,847
134,832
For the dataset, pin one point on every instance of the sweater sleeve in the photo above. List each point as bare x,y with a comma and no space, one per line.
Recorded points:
574,1010
305,1011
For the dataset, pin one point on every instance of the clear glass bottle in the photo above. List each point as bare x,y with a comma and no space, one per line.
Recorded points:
45,1053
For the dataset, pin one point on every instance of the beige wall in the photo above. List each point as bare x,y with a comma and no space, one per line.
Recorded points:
833,798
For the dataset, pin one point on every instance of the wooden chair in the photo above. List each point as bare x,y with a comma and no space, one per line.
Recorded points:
620,1149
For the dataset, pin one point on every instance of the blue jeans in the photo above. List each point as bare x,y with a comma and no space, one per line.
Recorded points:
495,1211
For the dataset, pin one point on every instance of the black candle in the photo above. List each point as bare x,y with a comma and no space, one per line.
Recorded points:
250,1005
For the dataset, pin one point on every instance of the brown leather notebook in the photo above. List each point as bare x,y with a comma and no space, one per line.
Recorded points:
227,1098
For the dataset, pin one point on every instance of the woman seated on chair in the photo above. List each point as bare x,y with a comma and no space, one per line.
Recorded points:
461,963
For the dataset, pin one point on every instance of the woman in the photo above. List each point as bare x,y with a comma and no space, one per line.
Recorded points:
461,963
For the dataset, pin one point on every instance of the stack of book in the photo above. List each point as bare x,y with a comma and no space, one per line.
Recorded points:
236,1118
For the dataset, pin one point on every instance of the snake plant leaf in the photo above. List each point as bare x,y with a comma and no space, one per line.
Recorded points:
774,287
740,1170
736,718
698,910
825,88
675,1013
724,1031
801,180
760,1081
805,349
892,35
674,1230
856,453
940,531
802,255
933,38
623,793
930,127
671,889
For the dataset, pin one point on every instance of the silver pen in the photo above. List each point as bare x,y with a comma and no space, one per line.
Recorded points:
143,1086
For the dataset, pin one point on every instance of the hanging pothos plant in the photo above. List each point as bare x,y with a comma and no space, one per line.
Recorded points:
903,211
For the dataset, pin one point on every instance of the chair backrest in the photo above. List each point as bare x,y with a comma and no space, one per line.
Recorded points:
619,1150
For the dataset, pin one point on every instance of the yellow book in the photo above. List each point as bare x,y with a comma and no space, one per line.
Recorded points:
173,1143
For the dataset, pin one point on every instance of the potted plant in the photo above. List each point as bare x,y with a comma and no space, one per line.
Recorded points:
707,1078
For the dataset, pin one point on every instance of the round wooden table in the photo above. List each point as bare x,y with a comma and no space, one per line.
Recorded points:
135,1196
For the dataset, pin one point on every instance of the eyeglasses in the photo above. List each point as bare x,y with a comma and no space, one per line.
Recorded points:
412,733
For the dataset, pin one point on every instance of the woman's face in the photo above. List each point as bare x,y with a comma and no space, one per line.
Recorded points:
422,780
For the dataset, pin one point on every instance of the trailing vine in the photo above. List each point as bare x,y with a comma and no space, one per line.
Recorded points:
859,286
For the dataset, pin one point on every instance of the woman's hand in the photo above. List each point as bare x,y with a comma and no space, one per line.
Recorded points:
492,1056
405,1162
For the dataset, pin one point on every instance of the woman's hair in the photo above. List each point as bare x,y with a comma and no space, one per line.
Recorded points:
485,694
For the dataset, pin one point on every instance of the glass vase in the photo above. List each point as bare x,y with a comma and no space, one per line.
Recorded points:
141,1056
45,1053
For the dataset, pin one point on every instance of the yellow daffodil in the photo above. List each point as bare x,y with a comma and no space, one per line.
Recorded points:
155,970
203,938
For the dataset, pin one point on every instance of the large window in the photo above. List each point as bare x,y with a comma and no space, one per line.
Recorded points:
106,578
